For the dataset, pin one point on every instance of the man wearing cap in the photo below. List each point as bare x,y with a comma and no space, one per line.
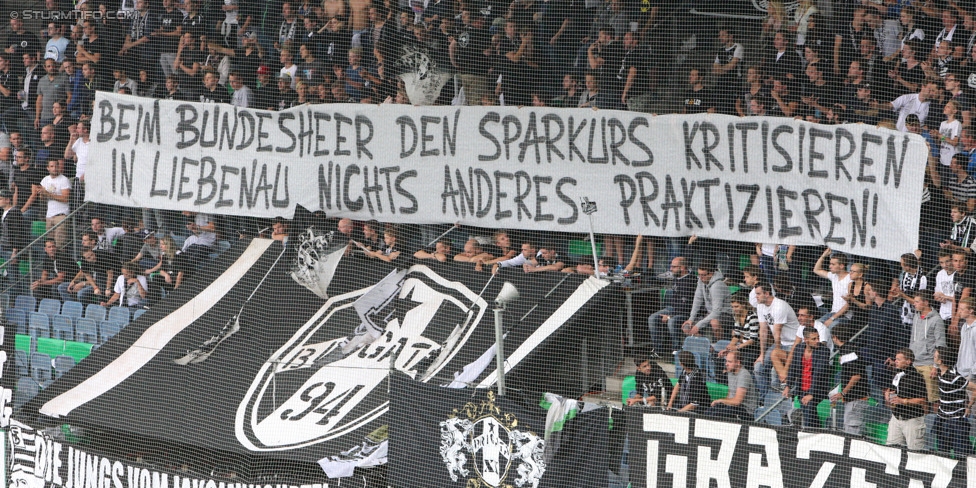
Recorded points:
264,93
13,227
149,257
286,97
860,109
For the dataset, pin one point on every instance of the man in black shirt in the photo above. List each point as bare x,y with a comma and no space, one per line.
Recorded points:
697,99
166,37
212,92
13,228
286,97
651,382
605,56
54,268
631,71
907,399
24,179
690,393
467,52
8,84
21,41
137,47
782,62
94,278
97,51
334,43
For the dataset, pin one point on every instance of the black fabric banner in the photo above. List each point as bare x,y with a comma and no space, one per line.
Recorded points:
253,369
681,450
583,453
473,438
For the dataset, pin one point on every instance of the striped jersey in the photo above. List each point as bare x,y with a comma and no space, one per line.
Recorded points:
952,394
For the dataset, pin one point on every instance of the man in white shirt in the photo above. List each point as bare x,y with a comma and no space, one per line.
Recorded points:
203,234
805,317
77,148
966,361
526,257
776,316
55,188
840,280
914,103
106,235
130,289
944,286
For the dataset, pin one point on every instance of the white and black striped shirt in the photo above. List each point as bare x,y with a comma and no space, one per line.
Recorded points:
952,394
748,330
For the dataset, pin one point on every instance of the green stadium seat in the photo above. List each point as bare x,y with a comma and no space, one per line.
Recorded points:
54,347
628,386
38,228
877,432
51,347
580,247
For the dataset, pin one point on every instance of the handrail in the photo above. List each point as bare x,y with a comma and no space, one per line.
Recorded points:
41,238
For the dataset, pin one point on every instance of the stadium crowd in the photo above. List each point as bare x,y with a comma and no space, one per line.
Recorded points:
903,64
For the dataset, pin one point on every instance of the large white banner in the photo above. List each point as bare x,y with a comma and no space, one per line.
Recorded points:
856,188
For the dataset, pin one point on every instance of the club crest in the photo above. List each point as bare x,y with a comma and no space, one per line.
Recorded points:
413,321
482,446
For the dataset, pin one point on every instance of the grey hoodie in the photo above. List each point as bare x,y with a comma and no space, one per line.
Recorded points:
714,296
927,334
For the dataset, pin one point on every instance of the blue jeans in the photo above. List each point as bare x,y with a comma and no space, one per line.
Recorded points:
760,374
729,412
838,321
810,418
84,295
953,434
674,329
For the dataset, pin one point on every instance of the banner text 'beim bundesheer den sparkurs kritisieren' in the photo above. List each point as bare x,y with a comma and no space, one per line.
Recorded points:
855,188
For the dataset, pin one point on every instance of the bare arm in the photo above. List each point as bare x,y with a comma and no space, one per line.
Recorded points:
818,266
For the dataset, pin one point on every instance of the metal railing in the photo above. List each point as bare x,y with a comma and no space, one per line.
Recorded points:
29,249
